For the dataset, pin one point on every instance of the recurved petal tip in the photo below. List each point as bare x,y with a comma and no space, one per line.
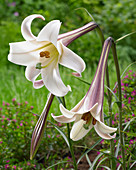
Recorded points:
26,27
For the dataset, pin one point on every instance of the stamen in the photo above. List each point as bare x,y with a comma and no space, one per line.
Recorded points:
86,117
45,54
94,121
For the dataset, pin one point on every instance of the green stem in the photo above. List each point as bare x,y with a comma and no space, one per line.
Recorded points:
112,161
70,141
120,103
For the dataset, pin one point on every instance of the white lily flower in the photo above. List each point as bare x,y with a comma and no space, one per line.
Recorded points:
88,112
43,53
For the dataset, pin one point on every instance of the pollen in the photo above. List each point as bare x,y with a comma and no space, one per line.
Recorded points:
45,54
94,121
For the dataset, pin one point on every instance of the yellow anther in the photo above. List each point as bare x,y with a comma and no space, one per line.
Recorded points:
45,54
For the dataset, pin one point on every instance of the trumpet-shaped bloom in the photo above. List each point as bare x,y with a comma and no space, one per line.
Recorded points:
88,112
43,53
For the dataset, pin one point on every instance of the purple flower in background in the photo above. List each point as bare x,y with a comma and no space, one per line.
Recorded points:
14,99
6,166
12,4
14,167
125,96
21,124
123,105
16,14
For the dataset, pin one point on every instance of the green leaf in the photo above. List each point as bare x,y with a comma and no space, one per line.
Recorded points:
132,164
125,36
117,100
105,167
61,132
95,161
88,150
62,162
100,162
88,160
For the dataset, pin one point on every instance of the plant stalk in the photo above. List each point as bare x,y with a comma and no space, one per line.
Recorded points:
70,141
121,136
112,161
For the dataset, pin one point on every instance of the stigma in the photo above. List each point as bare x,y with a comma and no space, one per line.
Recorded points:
45,54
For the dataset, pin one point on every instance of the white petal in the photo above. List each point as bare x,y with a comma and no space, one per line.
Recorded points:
26,27
26,46
63,119
102,134
78,131
23,53
38,84
52,80
71,60
104,128
67,113
32,73
50,32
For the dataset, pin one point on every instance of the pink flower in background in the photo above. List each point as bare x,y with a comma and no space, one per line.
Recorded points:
21,124
125,96
12,4
14,99
26,102
122,84
18,127
133,93
16,14
133,114
49,136
3,103
14,120
28,163
7,166
123,105
126,85
7,104
123,88
31,107
113,122
14,167
130,71
126,77
1,142
7,161
102,141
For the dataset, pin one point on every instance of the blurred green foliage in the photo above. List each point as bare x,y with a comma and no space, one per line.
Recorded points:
116,18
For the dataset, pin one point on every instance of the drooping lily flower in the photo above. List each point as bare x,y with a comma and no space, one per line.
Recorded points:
88,112
43,53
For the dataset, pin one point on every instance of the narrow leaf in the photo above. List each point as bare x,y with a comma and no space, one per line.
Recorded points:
105,167
88,150
62,162
88,160
61,132
100,162
121,38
